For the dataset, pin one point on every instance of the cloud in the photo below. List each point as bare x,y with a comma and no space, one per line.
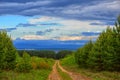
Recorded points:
65,38
50,24
33,37
44,32
62,38
25,25
77,26
41,19
97,24
37,24
9,29
75,34
90,33
69,9
101,23
68,27
102,10
70,38
40,33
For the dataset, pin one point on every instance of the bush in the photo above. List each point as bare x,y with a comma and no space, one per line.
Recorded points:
24,65
39,63
44,65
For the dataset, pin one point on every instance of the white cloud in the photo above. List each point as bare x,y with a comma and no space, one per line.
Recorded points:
33,37
42,19
64,38
59,32
79,26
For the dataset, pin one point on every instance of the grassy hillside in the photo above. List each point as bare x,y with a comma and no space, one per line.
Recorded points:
34,74
69,64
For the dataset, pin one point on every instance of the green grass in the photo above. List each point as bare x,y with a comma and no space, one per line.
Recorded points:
37,74
33,75
63,75
69,64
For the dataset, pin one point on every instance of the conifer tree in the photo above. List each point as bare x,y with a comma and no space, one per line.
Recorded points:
7,51
116,45
82,54
105,53
1,50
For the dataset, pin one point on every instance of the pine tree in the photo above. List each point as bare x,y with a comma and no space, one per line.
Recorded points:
10,55
116,45
82,54
1,51
7,51
96,57
105,53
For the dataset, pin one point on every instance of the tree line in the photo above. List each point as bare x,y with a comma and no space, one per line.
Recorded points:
46,53
104,53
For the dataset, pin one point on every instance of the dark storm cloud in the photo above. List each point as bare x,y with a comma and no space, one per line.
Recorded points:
106,10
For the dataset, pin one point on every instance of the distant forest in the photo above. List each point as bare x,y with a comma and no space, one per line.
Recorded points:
47,53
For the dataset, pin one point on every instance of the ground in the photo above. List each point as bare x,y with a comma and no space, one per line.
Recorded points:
55,75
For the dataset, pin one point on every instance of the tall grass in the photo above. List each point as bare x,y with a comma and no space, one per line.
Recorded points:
35,74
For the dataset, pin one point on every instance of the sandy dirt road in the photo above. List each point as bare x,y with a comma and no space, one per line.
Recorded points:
55,75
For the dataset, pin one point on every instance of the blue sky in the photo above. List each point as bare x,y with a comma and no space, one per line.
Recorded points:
57,19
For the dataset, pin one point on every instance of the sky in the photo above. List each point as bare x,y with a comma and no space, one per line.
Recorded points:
57,19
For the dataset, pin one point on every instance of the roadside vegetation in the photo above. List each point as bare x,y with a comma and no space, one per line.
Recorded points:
99,60
104,53
24,67
69,64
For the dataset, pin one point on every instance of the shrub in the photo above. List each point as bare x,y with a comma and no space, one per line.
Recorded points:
24,65
44,65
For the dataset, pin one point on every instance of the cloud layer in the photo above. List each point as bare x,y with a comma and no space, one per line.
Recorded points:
71,9
57,19
66,30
